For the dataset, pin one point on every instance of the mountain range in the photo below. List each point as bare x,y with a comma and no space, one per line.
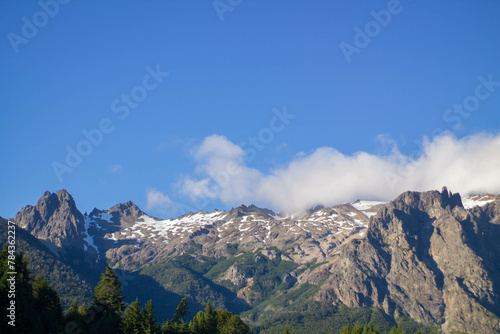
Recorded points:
429,258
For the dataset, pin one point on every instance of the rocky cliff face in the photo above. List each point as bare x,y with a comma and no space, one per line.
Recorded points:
56,221
427,257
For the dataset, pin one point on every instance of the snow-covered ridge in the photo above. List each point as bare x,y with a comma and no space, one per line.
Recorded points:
367,207
171,228
343,219
474,200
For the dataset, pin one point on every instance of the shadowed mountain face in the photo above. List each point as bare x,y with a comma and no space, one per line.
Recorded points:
423,255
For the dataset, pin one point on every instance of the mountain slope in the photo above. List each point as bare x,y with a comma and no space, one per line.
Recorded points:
41,261
427,257
424,255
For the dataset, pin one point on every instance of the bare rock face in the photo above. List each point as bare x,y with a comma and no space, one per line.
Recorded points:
56,221
427,257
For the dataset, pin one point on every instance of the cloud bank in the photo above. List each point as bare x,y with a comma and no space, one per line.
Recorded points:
326,176
157,200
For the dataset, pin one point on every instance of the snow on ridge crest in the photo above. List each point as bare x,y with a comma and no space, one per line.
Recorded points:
474,200
345,218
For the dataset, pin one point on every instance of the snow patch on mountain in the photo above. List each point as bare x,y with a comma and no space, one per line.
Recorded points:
89,239
367,207
471,201
175,227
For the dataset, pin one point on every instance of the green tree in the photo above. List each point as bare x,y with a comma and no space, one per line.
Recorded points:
75,316
346,330
181,311
357,329
178,324
211,319
72,310
108,293
204,322
228,323
171,327
27,319
132,322
47,305
370,329
149,321
396,330
105,313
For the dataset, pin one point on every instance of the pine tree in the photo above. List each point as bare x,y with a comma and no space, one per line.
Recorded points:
47,305
181,311
227,323
370,329
132,322
204,322
396,330
27,319
357,329
346,330
149,321
168,327
199,323
72,310
171,327
108,292
75,317
211,319
106,310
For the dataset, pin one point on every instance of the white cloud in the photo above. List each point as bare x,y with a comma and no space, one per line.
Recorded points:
225,174
328,177
157,200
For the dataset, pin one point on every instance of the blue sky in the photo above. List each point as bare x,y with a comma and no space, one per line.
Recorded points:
231,70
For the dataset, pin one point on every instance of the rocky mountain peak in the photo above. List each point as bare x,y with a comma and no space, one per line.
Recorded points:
56,221
128,209
432,202
49,203
244,210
